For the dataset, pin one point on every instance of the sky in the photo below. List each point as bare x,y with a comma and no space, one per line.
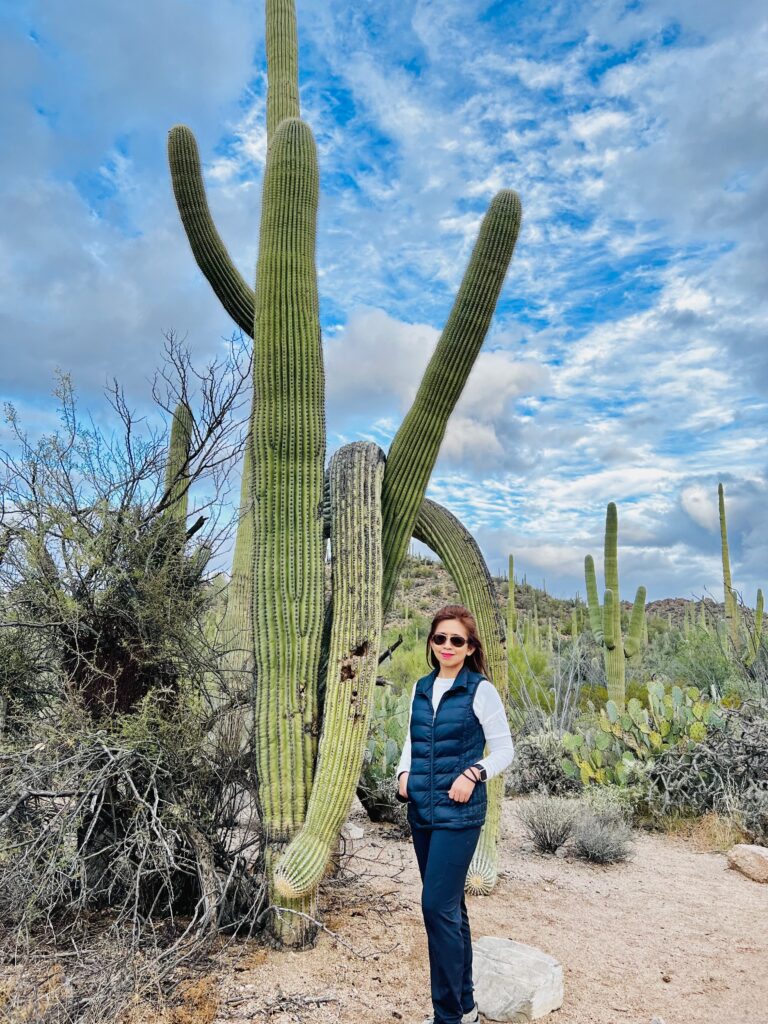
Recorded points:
627,360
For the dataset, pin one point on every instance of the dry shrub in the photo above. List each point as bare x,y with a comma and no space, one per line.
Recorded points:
602,837
548,821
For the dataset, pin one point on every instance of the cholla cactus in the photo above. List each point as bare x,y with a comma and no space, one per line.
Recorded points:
310,669
606,621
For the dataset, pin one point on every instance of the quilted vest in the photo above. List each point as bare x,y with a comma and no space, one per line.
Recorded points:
441,748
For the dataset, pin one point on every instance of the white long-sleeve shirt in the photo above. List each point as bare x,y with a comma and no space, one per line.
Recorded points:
489,709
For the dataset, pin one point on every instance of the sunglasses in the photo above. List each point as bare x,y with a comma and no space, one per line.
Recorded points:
456,641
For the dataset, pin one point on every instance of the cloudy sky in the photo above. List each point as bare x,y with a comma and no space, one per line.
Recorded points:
627,360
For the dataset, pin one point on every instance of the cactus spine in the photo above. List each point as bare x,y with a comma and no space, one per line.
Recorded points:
606,621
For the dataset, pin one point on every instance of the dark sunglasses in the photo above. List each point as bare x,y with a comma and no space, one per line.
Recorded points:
456,641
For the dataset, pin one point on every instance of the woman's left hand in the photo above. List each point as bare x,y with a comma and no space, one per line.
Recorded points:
462,789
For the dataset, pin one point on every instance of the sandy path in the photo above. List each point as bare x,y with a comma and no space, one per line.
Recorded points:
674,933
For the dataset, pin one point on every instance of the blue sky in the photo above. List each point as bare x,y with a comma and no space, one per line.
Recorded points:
627,360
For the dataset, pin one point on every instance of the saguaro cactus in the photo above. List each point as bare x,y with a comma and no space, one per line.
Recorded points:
511,609
313,666
745,639
606,621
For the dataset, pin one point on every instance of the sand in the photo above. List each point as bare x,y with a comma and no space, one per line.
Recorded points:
674,934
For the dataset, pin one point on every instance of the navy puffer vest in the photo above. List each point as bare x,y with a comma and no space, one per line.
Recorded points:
441,748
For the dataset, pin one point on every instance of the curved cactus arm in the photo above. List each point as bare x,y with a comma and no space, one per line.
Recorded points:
207,247
457,549
176,495
236,634
593,601
610,637
634,641
288,448
356,475
416,445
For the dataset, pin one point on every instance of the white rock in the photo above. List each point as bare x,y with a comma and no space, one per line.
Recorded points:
353,832
515,982
752,861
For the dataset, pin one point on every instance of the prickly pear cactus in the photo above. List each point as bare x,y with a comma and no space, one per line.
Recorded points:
672,719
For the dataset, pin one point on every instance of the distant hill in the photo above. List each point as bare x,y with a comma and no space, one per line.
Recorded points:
425,586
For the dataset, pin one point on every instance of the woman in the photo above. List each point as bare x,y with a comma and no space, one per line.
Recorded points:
455,712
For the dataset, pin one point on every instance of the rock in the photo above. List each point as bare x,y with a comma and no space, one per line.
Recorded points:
515,982
657,1020
353,832
751,861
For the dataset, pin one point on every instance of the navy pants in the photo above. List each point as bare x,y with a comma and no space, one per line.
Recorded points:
444,856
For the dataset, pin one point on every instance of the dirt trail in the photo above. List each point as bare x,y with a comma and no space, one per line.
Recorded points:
674,933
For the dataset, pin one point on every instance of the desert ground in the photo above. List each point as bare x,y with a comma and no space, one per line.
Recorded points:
674,934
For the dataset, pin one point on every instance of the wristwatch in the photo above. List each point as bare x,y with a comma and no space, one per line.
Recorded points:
483,772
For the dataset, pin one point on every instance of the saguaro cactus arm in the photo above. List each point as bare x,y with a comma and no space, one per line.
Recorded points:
459,553
416,445
176,496
207,247
593,601
732,611
511,610
356,475
634,641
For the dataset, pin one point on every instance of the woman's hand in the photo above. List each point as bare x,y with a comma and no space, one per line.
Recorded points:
403,784
462,789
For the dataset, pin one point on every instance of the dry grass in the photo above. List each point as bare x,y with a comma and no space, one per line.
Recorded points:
710,833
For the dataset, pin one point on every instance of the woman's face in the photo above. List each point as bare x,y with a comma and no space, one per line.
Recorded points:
446,653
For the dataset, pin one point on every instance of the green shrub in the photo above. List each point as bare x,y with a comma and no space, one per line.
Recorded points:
702,776
537,767
377,786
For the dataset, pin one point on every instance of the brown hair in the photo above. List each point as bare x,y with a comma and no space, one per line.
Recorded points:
475,661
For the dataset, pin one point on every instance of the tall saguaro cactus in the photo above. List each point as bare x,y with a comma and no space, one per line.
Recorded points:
312,670
606,621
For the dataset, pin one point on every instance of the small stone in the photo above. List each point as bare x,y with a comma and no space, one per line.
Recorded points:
751,861
657,1020
353,832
